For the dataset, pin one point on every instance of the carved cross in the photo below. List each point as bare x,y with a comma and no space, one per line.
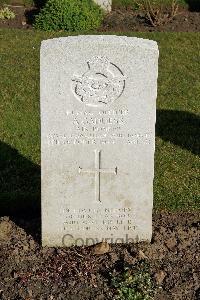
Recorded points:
97,171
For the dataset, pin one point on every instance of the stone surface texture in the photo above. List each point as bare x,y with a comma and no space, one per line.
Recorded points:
105,4
98,113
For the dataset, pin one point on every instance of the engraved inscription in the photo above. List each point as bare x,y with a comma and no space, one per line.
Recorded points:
100,85
99,128
97,172
99,219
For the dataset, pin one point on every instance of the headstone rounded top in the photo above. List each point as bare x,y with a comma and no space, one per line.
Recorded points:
109,39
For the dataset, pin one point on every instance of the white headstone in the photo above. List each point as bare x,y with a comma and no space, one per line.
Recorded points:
98,112
105,4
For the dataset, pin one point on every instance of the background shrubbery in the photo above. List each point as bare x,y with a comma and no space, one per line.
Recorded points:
69,15
192,4
6,14
138,3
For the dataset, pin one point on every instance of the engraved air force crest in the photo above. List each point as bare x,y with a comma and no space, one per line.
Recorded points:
100,85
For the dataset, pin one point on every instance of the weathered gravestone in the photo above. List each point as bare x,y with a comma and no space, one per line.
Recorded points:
105,4
98,111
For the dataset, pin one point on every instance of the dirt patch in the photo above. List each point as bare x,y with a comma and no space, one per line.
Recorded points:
24,17
122,20
31,272
128,20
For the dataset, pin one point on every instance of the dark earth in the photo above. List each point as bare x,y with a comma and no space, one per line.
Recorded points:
118,20
29,271
128,20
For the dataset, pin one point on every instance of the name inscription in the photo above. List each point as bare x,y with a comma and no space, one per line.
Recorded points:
99,128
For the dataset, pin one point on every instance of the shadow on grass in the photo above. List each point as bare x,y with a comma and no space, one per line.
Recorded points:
180,128
19,188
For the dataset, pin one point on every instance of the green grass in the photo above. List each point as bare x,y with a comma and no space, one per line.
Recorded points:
177,139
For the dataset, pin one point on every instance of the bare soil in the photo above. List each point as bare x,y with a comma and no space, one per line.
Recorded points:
122,20
24,17
128,20
29,271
